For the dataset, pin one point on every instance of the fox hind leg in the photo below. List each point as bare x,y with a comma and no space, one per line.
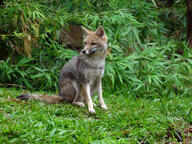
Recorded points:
77,95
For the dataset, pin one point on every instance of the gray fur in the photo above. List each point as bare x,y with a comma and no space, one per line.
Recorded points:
81,69
81,77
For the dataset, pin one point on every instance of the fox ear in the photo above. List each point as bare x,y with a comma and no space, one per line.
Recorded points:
100,31
86,31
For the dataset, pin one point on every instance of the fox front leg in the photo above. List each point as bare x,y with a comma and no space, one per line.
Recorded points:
100,95
86,94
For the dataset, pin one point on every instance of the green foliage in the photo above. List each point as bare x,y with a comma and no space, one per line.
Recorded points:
143,58
38,71
128,120
148,58
152,71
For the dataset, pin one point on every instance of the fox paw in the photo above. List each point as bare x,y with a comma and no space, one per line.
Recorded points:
92,111
104,106
81,104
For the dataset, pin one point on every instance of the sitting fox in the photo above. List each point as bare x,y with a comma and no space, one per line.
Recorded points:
81,76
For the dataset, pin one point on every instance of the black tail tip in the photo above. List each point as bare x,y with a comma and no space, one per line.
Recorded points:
23,97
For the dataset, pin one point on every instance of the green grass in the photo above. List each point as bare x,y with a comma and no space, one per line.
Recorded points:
128,120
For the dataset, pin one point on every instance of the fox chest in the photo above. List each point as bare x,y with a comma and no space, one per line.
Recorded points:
90,70
92,74
93,77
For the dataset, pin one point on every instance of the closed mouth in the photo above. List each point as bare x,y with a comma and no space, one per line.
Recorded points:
89,52
92,50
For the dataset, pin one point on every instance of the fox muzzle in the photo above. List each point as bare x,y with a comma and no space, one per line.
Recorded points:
88,52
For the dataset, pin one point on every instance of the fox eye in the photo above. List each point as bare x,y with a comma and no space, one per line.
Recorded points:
85,43
93,43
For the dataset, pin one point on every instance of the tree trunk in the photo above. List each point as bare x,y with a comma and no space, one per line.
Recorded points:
189,22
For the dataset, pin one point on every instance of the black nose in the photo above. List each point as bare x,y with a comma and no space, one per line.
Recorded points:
83,51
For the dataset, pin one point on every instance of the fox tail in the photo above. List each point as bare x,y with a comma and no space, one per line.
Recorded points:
45,98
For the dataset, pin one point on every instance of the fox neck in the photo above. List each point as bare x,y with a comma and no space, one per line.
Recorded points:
96,60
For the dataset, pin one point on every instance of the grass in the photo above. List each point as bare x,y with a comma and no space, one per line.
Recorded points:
128,120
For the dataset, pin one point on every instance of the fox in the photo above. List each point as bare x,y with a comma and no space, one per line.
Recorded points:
81,77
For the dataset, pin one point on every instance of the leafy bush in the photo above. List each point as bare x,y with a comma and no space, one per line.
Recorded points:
152,71
143,58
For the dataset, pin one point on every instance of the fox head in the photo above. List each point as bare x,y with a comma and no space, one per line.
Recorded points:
95,43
